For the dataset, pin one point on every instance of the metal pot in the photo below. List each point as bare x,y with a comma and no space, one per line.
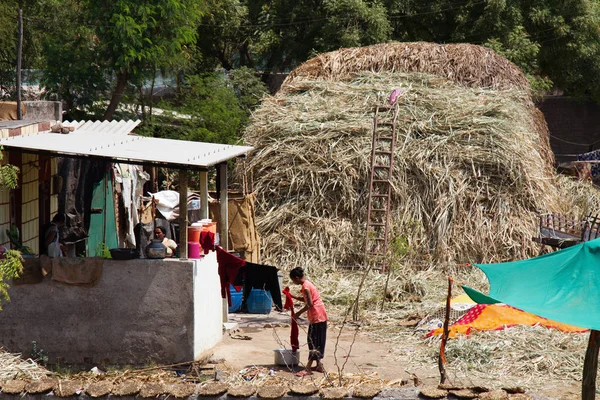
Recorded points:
156,249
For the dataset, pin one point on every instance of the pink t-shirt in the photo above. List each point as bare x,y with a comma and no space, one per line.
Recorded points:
317,312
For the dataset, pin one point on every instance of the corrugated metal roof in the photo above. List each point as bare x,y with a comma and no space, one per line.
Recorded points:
110,140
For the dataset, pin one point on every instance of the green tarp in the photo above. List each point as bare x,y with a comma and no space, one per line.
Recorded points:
563,286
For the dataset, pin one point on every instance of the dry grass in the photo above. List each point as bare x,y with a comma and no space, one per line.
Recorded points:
13,366
467,64
471,167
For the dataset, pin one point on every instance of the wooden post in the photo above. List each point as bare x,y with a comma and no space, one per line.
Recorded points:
203,194
223,209
590,367
442,357
19,56
183,218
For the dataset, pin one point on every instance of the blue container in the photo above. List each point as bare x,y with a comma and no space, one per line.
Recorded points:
259,302
236,300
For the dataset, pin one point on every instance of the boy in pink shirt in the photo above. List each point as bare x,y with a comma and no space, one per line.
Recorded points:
317,318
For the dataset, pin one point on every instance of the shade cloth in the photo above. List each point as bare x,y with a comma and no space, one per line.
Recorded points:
563,286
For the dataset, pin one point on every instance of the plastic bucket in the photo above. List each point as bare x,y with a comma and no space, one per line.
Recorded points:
259,302
194,234
193,250
286,357
236,299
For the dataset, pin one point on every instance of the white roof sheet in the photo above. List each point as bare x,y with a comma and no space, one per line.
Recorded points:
111,140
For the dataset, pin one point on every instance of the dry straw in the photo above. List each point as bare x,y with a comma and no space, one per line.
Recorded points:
472,163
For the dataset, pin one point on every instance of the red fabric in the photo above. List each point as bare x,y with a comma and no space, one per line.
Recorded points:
289,305
207,241
229,266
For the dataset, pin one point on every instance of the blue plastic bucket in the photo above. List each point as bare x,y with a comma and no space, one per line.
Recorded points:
259,302
236,299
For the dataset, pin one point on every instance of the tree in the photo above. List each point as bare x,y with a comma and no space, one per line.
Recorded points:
134,36
552,41
277,35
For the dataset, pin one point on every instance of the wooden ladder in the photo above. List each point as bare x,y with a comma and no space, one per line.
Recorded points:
380,187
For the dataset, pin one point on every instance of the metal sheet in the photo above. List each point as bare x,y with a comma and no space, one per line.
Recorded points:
110,140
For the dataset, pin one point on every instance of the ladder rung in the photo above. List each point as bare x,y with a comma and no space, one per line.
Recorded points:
389,153
385,123
382,166
378,209
384,138
379,195
381,180
376,224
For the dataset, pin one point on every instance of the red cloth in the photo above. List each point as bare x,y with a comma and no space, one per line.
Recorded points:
207,241
289,305
229,266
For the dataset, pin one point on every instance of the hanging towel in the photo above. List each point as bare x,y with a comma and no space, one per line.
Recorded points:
289,305
229,266
262,277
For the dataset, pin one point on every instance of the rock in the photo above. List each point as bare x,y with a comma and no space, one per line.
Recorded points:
44,385
432,392
243,390
494,395
334,393
152,389
129,387
366,391
13,386
464,393
99,389
272,391
213,389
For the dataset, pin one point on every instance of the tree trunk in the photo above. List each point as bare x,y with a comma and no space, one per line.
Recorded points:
590,367
122,79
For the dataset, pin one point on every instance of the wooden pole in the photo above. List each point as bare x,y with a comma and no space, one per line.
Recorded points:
204,195
590,367
442,357
19,56
183,217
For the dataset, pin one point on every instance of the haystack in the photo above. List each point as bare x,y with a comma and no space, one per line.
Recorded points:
471,166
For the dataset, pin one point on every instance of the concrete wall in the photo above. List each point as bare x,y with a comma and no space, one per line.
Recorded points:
208,305
140,311
43,110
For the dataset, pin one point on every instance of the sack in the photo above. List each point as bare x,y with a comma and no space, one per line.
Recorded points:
54,250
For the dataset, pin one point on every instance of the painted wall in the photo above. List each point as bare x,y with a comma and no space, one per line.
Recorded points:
140,311
208,305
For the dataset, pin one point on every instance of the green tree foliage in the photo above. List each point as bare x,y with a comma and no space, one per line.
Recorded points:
277,35
212,107
118,42
552,41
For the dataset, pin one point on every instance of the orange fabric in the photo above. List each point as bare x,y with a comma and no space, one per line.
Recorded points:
489,317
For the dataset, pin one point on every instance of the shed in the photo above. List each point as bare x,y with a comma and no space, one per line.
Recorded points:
138,310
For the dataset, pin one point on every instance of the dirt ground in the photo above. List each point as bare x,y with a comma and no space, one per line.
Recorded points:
369,358
268,333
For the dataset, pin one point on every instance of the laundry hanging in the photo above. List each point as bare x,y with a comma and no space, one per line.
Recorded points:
289,305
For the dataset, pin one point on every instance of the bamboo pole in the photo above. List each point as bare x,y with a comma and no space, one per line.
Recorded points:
590,367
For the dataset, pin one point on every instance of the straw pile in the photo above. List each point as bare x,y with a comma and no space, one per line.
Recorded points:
467,64
471,165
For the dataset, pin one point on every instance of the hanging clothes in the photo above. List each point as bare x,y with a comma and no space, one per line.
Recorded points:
262,277
229,267
289,305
